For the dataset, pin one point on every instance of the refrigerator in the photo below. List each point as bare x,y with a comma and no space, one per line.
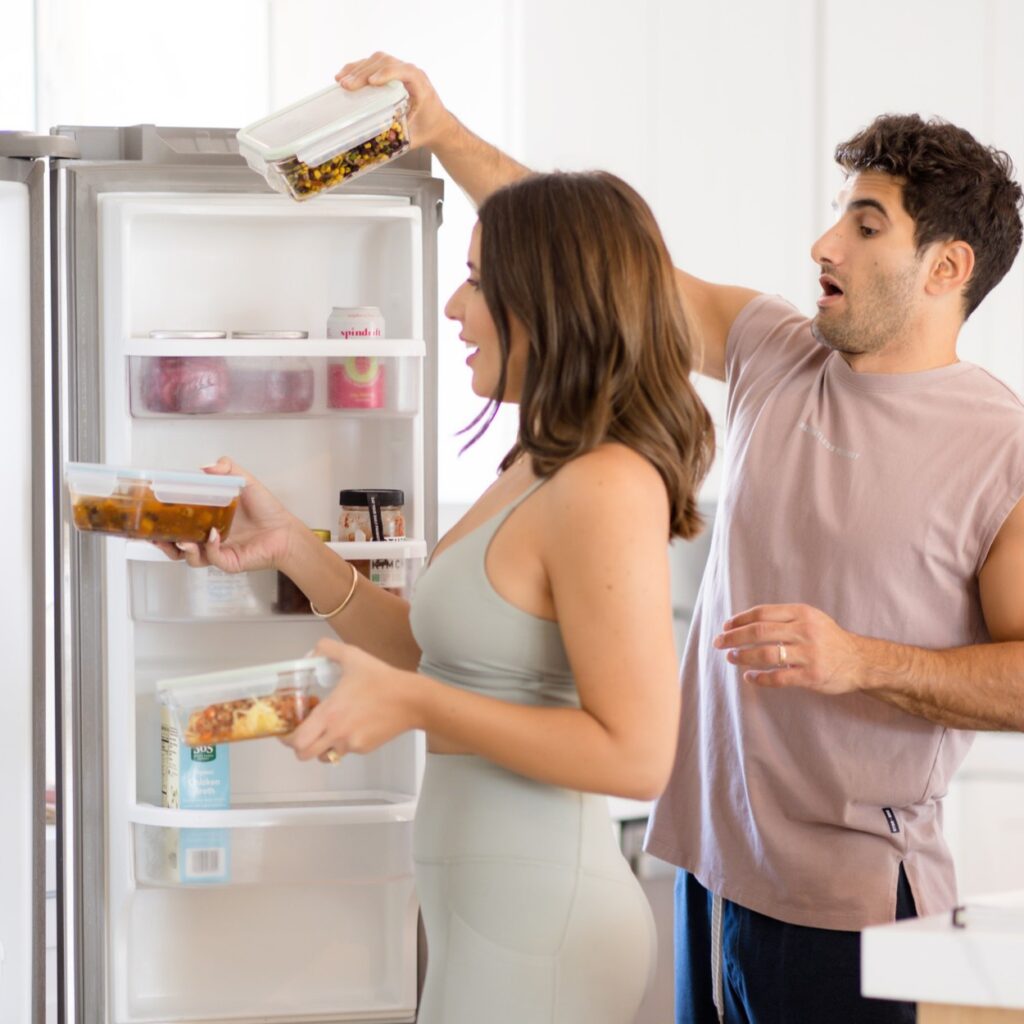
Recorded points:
115,237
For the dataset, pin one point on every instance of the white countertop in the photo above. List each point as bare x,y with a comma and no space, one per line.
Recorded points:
927,960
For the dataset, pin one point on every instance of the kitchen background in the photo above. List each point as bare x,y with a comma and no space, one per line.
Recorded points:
724,116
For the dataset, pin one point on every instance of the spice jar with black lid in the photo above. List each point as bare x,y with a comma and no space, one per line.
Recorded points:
375,515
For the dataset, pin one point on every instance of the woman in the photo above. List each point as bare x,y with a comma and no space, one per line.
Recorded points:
537,652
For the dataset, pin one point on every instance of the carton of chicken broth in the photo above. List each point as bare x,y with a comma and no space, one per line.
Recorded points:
194,778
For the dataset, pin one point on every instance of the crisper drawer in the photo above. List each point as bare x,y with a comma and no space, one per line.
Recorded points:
220,854
303,951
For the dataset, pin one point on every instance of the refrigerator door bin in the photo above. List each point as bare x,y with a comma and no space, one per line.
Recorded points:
346,846
337,378
301,951
166,591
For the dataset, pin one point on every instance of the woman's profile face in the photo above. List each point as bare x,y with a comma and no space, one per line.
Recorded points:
479,332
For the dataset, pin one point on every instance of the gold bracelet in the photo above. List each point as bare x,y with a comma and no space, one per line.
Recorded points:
341,607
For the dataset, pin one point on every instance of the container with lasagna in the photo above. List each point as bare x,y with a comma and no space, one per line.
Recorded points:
247,703
328,138
154,505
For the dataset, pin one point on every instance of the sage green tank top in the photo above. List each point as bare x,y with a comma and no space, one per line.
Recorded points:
471,637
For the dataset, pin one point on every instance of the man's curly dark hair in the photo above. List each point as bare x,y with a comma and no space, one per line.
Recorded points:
954,188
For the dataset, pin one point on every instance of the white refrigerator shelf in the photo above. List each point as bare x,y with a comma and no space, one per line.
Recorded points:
310,348
143,551
367,807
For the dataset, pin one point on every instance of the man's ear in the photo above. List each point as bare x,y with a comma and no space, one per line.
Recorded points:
952,264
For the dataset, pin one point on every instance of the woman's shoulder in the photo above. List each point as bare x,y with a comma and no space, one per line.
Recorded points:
594,488
609,464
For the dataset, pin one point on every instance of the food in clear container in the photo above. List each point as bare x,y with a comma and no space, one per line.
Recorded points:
247,703
328,138
185,384
154,505
278,384
304,181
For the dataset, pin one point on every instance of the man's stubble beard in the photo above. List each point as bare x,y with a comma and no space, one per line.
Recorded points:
885,307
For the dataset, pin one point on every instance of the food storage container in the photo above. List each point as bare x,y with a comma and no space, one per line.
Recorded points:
247,703
328,138
151,504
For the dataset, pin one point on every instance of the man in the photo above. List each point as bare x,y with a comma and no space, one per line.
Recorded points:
863,603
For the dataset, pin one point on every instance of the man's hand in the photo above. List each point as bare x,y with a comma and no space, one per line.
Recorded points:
429,120
794,645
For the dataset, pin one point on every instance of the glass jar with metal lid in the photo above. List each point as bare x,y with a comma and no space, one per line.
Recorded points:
185,384
273,384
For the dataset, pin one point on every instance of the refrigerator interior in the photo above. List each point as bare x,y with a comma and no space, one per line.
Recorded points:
317,917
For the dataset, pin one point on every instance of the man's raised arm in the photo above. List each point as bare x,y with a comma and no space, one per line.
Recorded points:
476,166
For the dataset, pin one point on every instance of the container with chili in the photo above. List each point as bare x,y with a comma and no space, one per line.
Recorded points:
247,703
151,504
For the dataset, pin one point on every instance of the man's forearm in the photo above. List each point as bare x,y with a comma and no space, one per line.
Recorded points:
477,167
976,687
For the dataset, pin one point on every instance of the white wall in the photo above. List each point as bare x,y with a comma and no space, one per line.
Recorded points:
17,66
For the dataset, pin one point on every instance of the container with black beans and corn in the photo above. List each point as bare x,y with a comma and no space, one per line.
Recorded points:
327,139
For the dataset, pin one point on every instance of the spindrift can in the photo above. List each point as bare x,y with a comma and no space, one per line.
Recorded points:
355,382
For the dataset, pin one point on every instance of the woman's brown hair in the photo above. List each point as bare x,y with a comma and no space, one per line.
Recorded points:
579,261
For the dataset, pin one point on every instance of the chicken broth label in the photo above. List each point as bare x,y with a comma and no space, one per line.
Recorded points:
194,778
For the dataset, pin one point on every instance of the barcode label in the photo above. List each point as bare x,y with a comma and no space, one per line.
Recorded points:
204,863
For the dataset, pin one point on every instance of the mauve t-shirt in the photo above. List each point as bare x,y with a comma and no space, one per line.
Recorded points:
874,497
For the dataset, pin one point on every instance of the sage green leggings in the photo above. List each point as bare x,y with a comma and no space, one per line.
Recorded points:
531,912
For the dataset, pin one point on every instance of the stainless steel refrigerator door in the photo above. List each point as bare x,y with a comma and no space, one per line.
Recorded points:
145,159
27,599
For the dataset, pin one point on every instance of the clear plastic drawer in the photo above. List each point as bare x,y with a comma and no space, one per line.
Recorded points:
271,855
166,591
227,385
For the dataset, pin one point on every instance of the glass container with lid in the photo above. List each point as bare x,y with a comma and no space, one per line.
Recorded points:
247,703
148,504
328,138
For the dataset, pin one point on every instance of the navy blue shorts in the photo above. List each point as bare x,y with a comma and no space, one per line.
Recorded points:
773,972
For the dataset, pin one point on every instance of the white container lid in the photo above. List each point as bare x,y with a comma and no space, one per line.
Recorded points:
169,486
254,681
315,128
